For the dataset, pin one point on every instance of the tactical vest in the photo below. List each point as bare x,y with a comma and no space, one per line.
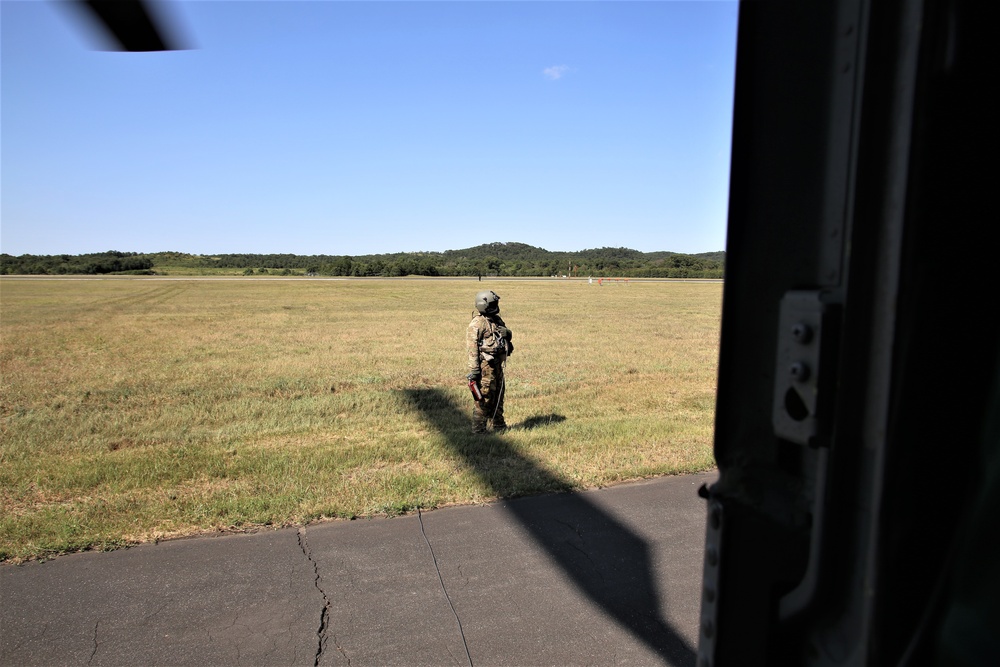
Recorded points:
491,343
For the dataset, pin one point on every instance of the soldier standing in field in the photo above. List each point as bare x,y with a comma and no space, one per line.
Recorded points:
488,342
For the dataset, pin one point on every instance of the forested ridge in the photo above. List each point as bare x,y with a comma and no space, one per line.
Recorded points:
491,259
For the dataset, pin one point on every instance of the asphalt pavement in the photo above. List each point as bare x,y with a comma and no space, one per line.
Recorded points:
603,577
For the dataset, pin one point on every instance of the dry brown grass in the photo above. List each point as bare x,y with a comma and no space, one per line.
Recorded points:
134,409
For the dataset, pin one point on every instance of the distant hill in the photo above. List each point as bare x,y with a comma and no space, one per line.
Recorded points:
502,259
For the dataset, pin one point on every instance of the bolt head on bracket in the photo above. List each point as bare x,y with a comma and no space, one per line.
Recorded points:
805,338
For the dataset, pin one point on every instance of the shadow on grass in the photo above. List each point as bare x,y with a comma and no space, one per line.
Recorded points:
545,420
605,560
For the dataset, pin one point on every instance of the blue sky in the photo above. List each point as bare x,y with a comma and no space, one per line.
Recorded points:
355,128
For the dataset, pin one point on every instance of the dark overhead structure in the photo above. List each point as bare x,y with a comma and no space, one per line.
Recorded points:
856,514
133,25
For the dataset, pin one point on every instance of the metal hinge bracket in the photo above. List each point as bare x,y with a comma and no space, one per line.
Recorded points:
807,330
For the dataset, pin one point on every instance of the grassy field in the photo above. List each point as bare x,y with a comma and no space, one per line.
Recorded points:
137,409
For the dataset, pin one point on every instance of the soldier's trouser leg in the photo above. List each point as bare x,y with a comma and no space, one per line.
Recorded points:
483,410
496,414
479,407
478,418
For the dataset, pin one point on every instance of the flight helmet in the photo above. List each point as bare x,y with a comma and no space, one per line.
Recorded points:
488,303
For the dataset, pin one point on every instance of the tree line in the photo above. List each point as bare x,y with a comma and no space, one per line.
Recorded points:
491,259
89,264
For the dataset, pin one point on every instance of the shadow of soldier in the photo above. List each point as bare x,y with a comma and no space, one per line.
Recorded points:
603,558
542,420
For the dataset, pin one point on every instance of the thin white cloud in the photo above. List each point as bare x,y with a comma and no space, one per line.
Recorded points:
555,72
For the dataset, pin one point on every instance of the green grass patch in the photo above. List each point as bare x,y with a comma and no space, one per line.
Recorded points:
138,409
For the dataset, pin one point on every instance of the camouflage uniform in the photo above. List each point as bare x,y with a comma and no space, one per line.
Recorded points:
488,351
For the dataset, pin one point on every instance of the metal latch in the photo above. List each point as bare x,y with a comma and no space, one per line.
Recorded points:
806,340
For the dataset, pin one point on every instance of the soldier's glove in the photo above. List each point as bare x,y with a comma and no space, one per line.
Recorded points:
475,375
504,332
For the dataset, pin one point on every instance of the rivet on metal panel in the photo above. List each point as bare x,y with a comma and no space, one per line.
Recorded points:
799,371
802,332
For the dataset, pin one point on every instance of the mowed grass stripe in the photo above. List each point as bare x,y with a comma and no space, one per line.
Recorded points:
132,410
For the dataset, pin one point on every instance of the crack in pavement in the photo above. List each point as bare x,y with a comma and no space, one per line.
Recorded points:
96,643
324,616
572,528
147,617
25,641
349,579
576,530
341,649
437,568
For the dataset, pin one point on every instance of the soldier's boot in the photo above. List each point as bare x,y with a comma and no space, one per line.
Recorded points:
498,421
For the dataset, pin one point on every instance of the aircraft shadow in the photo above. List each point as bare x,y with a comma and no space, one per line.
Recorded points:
604,559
